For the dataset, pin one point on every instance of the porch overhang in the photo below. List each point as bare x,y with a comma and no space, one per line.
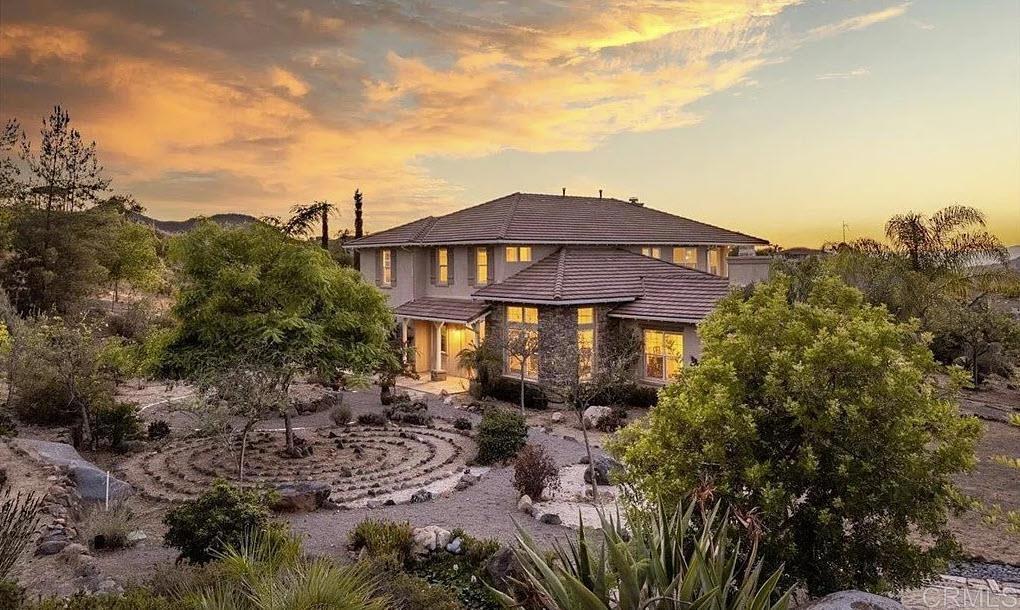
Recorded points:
435,309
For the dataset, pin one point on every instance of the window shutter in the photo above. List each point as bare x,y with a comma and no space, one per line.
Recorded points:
378,267
433,263
472,263
449,263
488,259
393,267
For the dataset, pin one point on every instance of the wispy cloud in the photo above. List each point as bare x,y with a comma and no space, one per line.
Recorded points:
855,73
277,104
858,22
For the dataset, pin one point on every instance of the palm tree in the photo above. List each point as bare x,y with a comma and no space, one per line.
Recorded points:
304,216
951,239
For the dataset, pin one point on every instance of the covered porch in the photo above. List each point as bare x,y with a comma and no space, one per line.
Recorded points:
438,330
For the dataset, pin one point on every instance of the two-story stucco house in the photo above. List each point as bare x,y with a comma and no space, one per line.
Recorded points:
523,261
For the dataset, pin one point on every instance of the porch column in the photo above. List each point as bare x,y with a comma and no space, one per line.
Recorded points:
437,363
403,340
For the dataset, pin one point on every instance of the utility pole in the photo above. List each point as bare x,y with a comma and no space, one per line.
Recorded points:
359,226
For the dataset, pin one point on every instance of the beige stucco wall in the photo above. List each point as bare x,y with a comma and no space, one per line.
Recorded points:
746,270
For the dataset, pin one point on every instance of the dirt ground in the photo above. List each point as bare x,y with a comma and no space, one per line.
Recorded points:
992,483
488,508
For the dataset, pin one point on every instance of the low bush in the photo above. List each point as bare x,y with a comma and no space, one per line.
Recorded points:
372,419
218,518
414,413
630,395
158,430
616,419
501,434
340,415
476,551
108,529
454,573
7,425
383,539
11,595
462,423
135,598
116,424
509,390
409,592
534,472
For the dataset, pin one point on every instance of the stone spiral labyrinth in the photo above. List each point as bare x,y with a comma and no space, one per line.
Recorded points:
358,462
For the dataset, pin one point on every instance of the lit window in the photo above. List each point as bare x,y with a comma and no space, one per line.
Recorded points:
664,352
652,252
482,266
522,340
442,266
688,257
585,341
518,254
386,267
713,262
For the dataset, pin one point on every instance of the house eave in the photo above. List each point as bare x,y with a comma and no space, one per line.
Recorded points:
555,301
547,242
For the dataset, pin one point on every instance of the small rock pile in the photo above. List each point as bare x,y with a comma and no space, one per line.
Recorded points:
432,539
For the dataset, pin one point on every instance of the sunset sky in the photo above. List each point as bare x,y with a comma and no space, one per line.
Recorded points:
780,118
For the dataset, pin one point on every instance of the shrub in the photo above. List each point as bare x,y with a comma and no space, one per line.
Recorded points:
117,423
158,430
11,595
7,425
340,415
383,539
19,515
501,434
509,390
695,561
414,413
218,518
454,573
825,420
108,529
372,419
134,598
476,551
462,423
409,592
534,472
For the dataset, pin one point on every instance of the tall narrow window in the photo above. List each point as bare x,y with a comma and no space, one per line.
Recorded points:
386,268
482,266
585,341
522,340
442,266
664,354
686,256
713,262
518,254
652,252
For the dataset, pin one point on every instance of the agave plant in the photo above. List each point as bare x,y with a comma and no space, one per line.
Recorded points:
268,571
673,562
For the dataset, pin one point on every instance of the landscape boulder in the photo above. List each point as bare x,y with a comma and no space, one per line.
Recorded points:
429,538
596,416
302,496
525,505
550,519
501,567
854,600
90,481
420,496
601,468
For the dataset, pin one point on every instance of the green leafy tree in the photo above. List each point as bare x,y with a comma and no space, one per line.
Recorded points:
822,419
131,256
985,338
253,298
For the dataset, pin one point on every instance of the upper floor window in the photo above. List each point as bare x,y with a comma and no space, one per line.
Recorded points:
686,256
652,252
714,264
518,254
442,270
522,340
663,354
481,266
386,267
585,341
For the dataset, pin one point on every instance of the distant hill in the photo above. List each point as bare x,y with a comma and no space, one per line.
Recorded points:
176,227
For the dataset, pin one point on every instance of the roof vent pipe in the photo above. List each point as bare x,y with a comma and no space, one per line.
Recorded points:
564,191
600,193
634,200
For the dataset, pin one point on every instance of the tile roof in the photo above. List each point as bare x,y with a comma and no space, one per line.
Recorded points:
444,310
646,287
536,218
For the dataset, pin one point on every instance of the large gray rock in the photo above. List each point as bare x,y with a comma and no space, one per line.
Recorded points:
303,496
89,480
594,416
601,468
854,600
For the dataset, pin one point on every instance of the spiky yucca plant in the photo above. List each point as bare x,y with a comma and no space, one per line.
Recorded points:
673,562
268,571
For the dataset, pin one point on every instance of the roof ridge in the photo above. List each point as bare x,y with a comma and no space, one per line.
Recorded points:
430,221
558,286
510,215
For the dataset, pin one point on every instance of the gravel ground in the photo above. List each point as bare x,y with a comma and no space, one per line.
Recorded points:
996,571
